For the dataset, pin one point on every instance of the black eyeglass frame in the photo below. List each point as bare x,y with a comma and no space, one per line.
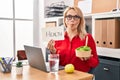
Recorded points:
75,17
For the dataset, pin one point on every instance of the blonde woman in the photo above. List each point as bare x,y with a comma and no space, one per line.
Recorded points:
74,37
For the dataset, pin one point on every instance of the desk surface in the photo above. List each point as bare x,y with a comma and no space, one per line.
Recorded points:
30,73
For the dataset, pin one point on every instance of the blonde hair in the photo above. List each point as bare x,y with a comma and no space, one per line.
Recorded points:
81,27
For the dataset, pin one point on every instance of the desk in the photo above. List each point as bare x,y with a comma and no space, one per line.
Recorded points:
30,73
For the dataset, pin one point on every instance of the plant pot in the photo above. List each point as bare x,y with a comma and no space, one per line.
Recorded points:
19,70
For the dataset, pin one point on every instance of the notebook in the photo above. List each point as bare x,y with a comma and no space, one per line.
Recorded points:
36,59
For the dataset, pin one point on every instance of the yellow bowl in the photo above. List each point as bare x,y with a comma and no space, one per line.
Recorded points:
83,53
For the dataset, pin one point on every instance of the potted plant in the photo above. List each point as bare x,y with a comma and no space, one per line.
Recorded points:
19,68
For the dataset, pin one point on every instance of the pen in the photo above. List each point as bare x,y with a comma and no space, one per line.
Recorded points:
10,60
2,63
7,59
6,65
1,66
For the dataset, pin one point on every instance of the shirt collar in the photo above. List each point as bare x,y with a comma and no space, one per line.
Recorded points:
66,34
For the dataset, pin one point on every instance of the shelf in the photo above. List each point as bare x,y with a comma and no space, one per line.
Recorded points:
109,52
88,16
103,51
52,19
57,20
106,15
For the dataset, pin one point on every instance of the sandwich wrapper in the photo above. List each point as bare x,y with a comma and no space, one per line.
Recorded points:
83,51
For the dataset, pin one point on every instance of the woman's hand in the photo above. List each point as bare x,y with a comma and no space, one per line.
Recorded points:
51,47
85,58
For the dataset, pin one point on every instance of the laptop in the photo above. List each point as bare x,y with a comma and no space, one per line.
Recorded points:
36,59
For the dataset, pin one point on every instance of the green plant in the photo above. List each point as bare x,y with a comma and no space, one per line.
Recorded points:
19,64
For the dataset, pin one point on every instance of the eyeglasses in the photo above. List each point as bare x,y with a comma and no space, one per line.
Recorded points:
69,17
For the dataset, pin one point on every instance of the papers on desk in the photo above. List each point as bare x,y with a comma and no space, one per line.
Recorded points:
5,64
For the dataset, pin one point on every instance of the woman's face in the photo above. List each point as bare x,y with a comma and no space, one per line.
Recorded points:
72,20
